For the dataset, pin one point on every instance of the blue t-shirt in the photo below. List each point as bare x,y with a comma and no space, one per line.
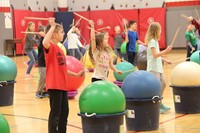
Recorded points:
133,37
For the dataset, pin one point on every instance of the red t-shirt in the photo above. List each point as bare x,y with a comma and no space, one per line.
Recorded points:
56,68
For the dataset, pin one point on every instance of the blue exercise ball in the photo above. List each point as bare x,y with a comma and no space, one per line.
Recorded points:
141,85
8,69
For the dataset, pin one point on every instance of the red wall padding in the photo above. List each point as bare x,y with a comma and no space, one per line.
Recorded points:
149,15
183,3
115,17
20,23
105,18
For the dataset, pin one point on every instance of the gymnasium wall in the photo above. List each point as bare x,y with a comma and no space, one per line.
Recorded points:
4,31
174,19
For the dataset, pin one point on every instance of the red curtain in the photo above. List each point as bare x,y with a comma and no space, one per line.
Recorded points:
146,16
106,18
20,23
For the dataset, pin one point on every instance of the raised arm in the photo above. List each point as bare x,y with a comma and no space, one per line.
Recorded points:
47,38
92,36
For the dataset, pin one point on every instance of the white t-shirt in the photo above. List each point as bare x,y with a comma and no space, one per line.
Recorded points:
73,40
102,66
154,64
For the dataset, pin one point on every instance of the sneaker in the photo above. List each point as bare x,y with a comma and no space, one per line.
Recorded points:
45,94
39,95
164,107
162,111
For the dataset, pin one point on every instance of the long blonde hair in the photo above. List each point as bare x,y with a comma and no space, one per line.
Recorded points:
153,32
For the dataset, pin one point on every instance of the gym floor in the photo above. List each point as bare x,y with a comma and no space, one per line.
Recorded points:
30,115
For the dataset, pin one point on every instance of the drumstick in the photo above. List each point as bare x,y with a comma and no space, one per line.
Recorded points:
129,70
77,22
36,18
28,32
107,27
94,30
197,13
82,17
184,16
175,36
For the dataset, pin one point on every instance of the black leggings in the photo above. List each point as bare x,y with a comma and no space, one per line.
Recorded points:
131,57
189,50
95,79
59,111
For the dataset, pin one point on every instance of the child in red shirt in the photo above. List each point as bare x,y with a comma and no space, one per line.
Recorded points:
56,78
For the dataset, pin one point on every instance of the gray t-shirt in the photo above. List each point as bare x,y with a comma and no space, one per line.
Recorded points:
154,64
118,39
29,42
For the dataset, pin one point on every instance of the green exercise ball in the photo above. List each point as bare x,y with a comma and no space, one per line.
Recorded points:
102,97
8,69
195,57
126,68
4,127
36,50
123,47
136,48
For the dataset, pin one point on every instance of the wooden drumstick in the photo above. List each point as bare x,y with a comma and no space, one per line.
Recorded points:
107,27
184,16
197,13
77,22
28,32
175,36
94,30
36,18
131,70
82,17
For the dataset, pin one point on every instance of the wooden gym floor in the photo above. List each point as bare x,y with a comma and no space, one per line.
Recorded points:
29,115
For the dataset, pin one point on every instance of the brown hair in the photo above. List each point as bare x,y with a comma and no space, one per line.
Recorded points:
99,45
28,28
58,27
153,32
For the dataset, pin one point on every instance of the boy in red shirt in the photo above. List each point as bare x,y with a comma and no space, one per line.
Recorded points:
56,78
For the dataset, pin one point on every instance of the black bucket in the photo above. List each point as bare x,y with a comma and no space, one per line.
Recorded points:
6,93
186,99
143,114
110,123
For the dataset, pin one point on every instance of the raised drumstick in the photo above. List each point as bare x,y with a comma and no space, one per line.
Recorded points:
77,22
197,13
175,36
82,17
184,16
94,30
27,32
107,27
36,18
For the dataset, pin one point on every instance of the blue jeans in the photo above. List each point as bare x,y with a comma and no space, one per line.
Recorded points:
33,56
75,53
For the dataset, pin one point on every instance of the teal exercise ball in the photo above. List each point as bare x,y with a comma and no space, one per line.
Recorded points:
8,69
102,97
4,127
126,68
195,57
